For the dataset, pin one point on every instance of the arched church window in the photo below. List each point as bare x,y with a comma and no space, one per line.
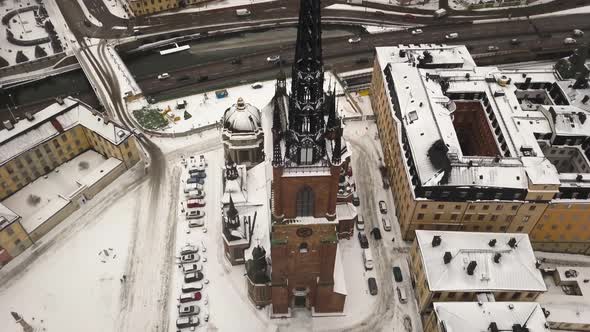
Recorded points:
303,248
305,202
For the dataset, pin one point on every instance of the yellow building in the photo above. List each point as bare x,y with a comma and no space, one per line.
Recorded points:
486,316
472,148
460,266
13,238
147,7
55,135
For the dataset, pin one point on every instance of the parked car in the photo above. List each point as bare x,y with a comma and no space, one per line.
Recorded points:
192,287
195,214
188,310
397,274
273,59
189,297
367,259
386,224
372,286
196,194
363,240
195,179
195,203
193,276
189,258
417,32
196,170
362,60
382,207
188,321
163,76
401,293
196,223
355,199
189,249
376,232
360,223
200,175
192,267
354,40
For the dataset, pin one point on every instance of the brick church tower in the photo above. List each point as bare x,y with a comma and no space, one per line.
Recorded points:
307,151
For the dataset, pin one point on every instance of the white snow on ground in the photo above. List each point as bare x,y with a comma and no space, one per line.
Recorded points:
24,27
579,10
116,7
370,10
464,4
87,14
70,279
431,5
214,5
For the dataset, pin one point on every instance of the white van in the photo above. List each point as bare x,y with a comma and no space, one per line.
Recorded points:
360,223
192,287
368,259
386,224
401,293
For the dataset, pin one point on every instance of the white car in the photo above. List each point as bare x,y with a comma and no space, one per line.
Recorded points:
578,33
569,41
196,223
256,85
453,35
354,40
417,32
273,59
163,76
493,48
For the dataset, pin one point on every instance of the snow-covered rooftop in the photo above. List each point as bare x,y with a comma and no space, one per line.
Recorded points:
566,308
473,316
515,269
7,217
27,134
426,84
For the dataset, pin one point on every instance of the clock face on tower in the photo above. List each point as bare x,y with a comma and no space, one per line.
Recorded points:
304,232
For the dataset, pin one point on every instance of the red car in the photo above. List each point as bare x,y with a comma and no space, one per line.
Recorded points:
195,203
190,297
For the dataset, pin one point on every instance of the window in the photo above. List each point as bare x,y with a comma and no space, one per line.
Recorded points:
305,202
526,218
451,295
38,153
457,207
303,248
9,170
46,148
515,296
486,207
494,217
420,216
488,228
77,142
454,216
64,138
471,207
520,228
56,143
467,217
16,242
129,154
514,207
436,296
423,206
480,217
441,206
509,218
499,207
437,216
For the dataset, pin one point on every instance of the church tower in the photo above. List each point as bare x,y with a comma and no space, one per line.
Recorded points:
307,163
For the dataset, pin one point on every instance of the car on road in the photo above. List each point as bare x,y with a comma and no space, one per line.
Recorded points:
569,41
196,194
363,240
188,310
236,61
195,203
195,214
193,276
578,33
417,32
189,297
273,59
188,321
376,232
256,85
192,267
397,274
372,286
360,223
354,40
189,258
367,259
382,207
203,78
189,249
515,41
493,48
163,76
401,293
355,199
192,287
386,224
195,179
452,35
196,223
200,175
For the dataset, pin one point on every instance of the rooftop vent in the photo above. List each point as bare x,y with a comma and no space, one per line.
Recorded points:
579,177
492,243
497,257
436,240
493,327
8,125
582,117
585,99
471,267
527,151
512,242
121,134
519,328
29,116
447,257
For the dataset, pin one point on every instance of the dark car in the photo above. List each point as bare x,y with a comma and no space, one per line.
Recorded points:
397,274
200,175
236,61
195,179
193,276
203,78
376,232
362,60
382,207
372,286
515,41
363,240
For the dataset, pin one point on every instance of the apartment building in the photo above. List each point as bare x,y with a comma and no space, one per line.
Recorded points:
486,316
472,148
13,237
148,7
460,266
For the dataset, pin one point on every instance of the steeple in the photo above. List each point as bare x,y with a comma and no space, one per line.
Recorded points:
232,212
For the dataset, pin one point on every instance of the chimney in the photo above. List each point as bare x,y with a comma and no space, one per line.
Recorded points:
497,257
492,243
512,242
585,99
29,116
493,327
447,257
8,125
471,267
436,240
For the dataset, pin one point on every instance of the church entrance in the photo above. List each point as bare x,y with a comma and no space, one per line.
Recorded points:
300,301
300,297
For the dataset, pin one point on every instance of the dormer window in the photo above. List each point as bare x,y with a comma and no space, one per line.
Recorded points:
303,248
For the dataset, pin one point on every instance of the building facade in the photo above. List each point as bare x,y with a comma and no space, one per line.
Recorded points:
242,135
458,266
148,7
308,158
13,237
472,148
